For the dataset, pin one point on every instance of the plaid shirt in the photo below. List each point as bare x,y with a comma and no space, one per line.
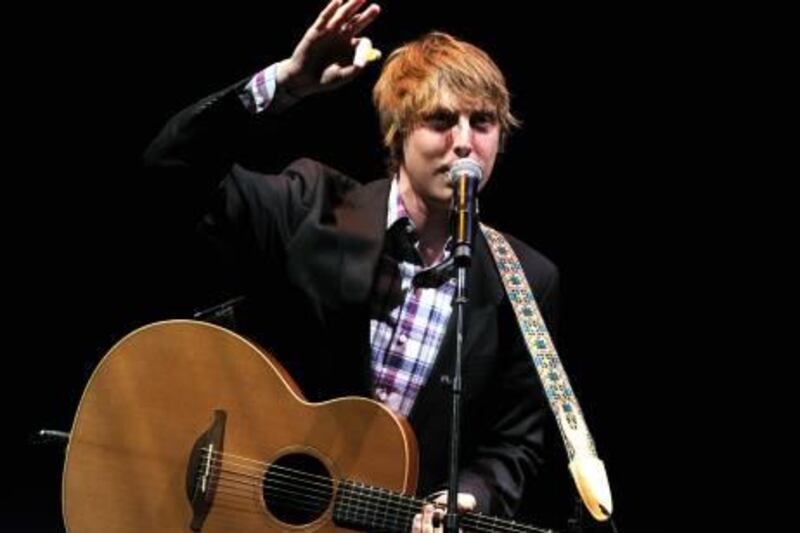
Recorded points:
407,321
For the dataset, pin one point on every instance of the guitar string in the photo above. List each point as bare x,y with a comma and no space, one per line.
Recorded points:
399,522
394,522
382,517
412,505
309,503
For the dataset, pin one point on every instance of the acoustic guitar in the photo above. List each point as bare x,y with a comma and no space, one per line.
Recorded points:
186,426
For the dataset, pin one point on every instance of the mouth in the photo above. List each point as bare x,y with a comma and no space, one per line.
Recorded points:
444,172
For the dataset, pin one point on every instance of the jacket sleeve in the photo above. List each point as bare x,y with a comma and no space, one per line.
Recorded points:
201,141
243,218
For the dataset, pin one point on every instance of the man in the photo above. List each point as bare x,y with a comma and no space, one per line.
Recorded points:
332,267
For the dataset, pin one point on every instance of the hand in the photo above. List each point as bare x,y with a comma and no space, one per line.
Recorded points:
323,60
432,517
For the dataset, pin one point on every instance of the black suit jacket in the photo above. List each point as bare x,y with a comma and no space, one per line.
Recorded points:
305,243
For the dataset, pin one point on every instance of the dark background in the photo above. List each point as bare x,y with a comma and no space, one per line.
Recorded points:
611,177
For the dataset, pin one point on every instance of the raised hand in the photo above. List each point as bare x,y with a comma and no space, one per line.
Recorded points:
325,57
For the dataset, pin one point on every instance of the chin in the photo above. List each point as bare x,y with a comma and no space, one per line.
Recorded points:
441,201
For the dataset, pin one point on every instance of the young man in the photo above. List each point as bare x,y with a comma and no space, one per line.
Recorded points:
337,261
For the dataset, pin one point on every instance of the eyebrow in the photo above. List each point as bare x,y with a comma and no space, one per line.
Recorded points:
442,111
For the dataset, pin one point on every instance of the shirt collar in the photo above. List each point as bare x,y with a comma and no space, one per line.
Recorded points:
396,213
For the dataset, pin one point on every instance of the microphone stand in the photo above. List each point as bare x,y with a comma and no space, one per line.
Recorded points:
452,519
466,224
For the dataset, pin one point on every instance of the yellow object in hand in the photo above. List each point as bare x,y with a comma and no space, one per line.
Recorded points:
365,53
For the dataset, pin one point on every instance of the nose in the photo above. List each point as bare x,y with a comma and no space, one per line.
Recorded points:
462,137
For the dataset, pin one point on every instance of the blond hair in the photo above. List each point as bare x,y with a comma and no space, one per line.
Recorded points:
415,75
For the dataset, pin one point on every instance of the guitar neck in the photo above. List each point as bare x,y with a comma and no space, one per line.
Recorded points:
357,505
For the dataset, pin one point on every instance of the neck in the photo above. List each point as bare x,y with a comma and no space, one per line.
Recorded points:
432,221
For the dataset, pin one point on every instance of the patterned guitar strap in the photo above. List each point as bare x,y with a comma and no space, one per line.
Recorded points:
587,469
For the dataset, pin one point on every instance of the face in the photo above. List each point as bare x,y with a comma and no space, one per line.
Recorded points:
448,133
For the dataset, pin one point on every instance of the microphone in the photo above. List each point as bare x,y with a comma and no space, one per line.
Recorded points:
465,175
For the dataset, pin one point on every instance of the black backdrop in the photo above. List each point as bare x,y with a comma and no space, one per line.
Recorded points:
602,179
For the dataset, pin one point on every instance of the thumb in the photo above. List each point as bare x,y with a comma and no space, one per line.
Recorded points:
466,501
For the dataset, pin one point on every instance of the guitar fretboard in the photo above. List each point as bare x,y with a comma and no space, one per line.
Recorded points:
357,505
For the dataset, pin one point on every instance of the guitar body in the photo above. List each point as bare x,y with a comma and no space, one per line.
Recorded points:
187,426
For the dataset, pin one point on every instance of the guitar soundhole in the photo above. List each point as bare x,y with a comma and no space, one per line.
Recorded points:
297,488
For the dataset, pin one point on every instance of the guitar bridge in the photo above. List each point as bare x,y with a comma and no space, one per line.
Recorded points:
202,473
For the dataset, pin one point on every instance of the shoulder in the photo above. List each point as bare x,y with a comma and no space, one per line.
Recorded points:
535,263
543,277
303,183
305,174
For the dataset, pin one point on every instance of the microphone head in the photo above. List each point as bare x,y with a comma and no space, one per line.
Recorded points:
468,167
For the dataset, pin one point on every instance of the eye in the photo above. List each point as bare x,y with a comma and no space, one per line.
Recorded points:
441,120
483,119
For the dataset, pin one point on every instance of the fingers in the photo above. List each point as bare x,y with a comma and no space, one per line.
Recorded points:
416,525
345,17
466,502
364,19
327,13
429,521
344,14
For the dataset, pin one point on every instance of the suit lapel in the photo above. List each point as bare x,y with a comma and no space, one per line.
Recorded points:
361,224
334,259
